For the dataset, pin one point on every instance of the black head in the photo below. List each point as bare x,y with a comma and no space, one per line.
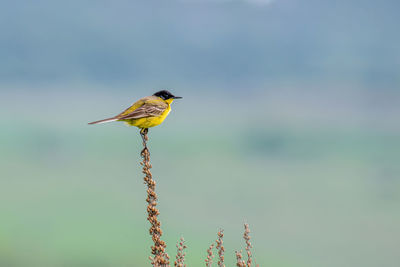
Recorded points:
164,94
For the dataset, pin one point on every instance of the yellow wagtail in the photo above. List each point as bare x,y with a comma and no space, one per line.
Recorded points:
147,112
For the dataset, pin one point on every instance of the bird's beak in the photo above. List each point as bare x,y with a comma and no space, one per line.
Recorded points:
177,97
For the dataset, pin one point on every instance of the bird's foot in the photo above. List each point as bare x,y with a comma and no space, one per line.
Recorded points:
143,134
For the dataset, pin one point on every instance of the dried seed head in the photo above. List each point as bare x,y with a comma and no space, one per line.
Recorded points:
220,248
246,237
210,256
160,258
180,255
239,261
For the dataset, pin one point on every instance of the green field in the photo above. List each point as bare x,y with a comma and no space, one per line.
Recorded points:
318,185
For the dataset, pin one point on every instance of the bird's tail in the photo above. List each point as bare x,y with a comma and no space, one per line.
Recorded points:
104,121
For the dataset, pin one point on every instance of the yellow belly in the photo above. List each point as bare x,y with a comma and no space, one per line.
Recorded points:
148,122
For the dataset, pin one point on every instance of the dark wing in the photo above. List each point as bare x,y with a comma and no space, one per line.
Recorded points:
147,110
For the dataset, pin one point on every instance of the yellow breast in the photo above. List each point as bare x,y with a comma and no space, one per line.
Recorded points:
149,122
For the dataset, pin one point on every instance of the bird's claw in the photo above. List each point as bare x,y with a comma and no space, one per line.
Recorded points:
143,134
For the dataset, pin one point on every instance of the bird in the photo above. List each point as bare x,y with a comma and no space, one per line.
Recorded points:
145,113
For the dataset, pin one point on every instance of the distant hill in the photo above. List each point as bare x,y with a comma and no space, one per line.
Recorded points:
206,42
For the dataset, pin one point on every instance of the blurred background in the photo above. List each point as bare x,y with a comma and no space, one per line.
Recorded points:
289,121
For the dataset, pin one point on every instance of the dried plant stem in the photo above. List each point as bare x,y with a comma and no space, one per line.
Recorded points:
180,255
220,248
239,261
210,256
246,237
160,258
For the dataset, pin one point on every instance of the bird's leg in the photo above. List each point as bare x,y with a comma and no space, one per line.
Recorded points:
143,134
